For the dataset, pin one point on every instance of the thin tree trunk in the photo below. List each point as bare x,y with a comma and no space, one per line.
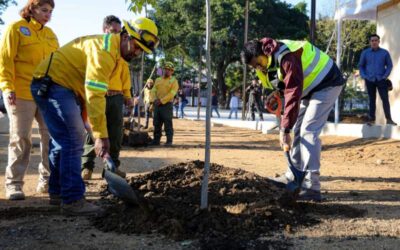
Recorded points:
246,26
204,185
221,82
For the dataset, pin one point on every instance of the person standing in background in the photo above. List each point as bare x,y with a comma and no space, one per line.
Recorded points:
182,103
147,101
163,93
24,45
234,105
375,67
254,91
214,104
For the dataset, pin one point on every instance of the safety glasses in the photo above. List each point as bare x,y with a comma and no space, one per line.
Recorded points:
146,38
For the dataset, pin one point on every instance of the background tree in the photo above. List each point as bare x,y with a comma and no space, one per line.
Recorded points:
183,22
136,6
354,39
3,6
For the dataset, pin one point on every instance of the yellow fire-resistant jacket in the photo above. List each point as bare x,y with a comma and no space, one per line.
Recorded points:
165,89
85,65
23,46
121,79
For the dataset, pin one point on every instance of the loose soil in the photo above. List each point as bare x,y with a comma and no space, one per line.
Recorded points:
243,207
360,181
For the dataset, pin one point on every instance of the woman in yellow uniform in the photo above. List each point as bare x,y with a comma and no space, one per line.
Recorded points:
24,44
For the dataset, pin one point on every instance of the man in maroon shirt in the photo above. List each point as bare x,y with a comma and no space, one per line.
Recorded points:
309,94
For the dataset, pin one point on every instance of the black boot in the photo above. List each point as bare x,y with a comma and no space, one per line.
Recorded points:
155,142
168,143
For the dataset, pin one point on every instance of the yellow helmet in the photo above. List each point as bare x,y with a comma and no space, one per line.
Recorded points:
145,32
169,65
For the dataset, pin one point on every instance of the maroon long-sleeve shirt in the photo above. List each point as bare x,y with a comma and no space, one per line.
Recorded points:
293,79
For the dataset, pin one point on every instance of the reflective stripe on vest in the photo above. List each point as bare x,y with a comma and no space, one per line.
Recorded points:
315,63
107,42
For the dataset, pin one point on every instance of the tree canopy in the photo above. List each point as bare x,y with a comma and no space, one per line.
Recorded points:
183,24
354,39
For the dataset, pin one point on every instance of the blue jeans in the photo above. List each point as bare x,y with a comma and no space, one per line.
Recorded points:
62,115
182,106
215,108
233,110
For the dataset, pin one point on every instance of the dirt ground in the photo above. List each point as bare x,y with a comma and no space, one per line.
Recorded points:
360,181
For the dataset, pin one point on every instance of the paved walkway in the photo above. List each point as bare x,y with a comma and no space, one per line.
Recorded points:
266,126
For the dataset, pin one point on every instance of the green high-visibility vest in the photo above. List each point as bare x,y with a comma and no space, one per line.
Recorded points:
315,63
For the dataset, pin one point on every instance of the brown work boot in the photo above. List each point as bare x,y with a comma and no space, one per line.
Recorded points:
14,193
82,208
87,174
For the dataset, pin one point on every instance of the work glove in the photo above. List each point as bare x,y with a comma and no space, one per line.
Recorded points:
285,140
102,147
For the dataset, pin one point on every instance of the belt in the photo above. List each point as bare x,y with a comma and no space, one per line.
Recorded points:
113,92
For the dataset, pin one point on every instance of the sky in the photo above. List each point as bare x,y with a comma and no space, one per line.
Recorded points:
74,18
324,7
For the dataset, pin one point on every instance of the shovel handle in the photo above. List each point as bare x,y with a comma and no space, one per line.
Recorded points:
286,149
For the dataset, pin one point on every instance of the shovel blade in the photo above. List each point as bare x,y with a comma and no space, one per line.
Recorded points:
120,188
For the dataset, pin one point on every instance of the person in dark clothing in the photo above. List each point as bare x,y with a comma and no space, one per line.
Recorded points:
255,91
182,103
214,104
375,67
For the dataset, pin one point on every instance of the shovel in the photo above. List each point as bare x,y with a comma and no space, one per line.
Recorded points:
294,187
118,185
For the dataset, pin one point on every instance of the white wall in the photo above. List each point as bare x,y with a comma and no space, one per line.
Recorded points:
388,22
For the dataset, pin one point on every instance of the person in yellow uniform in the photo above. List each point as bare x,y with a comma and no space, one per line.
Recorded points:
78,75
163,92
24,45
118,93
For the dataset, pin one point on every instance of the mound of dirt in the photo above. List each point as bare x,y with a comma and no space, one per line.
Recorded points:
243,207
